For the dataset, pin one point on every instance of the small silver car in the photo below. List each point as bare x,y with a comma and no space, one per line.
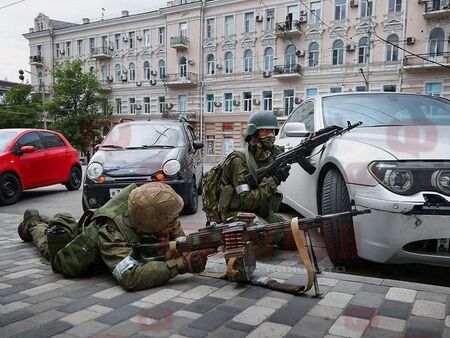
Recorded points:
397,164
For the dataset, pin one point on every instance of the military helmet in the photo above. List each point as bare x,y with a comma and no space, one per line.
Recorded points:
261,120
152,206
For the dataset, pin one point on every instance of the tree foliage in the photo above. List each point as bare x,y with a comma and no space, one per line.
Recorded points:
20,108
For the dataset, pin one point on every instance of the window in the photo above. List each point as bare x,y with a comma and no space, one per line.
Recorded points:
30,139
51,140
132,71
39,50
104,44
313,54
57,50
268,59
247,101
361,88
366,8
267,100
80,47
183,67
249,22
183,29
336,90
228,63
363,50
68,48
395,6
211,64
437,38
117,73
162,69
338,52
161,104
290,57
210,28
340,10
210,145
229,25
391,49
104,73
288,101
147,107
91,45
311,92
40,81
248,61
433,89
117,42
228,102
132,106
210,103
292,12
182,103
314,14
161,35
389,88
118,106
131,40
270,19
146,34
147,70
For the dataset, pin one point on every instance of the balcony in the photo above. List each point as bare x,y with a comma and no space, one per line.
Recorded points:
287,72
37,60
190,116
413,63
181,80
179,42
288,29
106,86
41,89
436,9
100,53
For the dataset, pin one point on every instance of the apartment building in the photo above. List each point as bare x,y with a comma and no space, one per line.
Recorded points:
215,62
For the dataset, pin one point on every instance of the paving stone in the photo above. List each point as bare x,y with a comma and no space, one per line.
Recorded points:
394,309
388,323
11,307
199,292
161,296
204,305
325,312
427,327
327,281
270,302
79,305
84,291
45,296
270,330
118,315
239,326
47,316
110,293
254,292
349,327
15,316
46,330
193,333
23,273
228,309
293,311
280,295
359,312
240,303
99,309
162,310
347,287
15,289
212,320
229,291
80,317
372,332
187,314
336,299
224,332
310,326
447,321
87,329
401,295
12,298
41,289
426,308
254,315
432,296
367,299
217,283
17,327
123,329
183,300
121,300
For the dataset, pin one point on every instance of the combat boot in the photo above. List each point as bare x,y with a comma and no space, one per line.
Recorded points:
30,218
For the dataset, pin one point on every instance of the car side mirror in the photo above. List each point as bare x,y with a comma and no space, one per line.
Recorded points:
295,129
198,145
27,149
96,147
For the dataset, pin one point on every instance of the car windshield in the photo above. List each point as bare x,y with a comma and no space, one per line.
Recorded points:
142,136
386,110
6,136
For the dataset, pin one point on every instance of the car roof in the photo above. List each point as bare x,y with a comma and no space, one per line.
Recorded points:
165,122
21,130
321,96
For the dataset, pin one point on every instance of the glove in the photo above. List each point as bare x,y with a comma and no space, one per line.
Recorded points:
281,174
195,261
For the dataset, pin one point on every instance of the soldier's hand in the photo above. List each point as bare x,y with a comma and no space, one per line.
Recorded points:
195,261
281,174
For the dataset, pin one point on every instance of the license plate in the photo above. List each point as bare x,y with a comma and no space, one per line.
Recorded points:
113,192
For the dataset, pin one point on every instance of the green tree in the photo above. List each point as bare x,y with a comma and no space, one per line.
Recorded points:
20,108
78,110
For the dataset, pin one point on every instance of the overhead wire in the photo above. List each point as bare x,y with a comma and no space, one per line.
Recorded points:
12,4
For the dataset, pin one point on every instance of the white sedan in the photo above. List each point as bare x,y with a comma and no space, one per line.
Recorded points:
397,163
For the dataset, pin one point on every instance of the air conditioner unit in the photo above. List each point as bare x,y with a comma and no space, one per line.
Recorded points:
300,53
217,104
124,38
109,78
154,72
168,105
138,107
153,82
138,83
256,102
123,77
410,40
219,66
236,103
302,19
259,18
62,51
266,73
191,62
139,37
302,13
353,3
111,47
350,48
298,100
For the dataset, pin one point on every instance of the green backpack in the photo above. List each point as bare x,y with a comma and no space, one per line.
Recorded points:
211,186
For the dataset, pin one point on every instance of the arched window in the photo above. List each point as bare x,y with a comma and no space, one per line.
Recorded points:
289,58
363,50
338,52
248,61
117,73
211,64
228,63
132,72
436,47
162,69
391,48
313,54
268,59
146,70
104,74
183,67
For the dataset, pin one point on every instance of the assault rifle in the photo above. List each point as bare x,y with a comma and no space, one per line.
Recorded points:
237,241
299,153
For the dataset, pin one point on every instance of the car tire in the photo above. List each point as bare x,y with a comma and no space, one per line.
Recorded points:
10,189
191,205
74,182
338,234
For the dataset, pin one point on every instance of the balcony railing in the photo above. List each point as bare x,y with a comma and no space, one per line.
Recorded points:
288,29
436,9
106,86
180,80
287,71
100,53
426,61
179,42
36,60
40,88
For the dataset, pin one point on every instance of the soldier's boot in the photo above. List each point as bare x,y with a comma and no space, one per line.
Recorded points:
30,218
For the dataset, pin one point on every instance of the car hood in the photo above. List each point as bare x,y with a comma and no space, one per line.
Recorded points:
406,142
134,162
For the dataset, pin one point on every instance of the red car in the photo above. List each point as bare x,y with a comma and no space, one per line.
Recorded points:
33,158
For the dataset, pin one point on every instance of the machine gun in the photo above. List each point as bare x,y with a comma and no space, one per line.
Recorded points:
237,241
299,153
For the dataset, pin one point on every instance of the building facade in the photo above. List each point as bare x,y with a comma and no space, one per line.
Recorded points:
215,62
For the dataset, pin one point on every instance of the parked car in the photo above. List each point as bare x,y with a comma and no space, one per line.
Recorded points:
145,151
397,164
33,158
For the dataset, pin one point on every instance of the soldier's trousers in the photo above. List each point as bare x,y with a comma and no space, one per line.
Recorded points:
39,235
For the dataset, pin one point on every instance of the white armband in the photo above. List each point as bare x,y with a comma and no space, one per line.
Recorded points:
242,188
124,265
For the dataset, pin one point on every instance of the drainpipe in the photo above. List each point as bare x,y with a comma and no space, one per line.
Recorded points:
165,53
52,61
405,23
200,69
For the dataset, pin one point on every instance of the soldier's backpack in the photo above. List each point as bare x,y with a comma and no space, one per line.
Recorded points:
211,186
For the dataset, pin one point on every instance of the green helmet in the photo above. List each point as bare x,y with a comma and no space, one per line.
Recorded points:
260,120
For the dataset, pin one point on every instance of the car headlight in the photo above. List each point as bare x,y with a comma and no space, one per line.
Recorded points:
94,171
441,180
171,167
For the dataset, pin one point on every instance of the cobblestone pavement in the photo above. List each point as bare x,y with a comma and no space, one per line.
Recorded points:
35,302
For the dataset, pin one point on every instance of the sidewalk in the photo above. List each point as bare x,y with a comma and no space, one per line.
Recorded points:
35,302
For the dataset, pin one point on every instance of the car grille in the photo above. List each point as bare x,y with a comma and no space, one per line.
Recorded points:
132,179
